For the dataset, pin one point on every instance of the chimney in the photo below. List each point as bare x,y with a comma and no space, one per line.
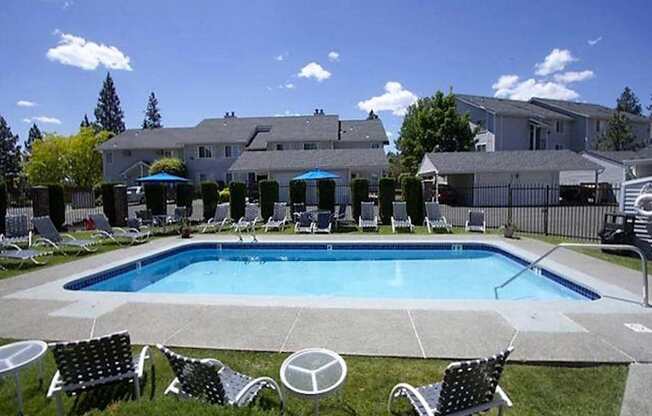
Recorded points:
232,114
321,112
316,112
226,115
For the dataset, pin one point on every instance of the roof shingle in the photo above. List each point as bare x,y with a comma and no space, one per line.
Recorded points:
289,160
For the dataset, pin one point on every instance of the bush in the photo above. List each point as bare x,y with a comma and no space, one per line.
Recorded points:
170,165
209,196
326,193
108,202
4,200
297,192
268,194
185,195
156,198
225,196
413,196
238,192
57,206
359,193
386,191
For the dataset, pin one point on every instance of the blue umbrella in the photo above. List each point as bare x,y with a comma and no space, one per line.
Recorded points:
162,177
315,175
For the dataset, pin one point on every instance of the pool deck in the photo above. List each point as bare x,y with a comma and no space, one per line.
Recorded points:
35,305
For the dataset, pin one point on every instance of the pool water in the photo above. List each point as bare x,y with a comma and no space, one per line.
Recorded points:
350,273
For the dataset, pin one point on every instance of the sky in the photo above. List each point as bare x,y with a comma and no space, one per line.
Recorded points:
257,58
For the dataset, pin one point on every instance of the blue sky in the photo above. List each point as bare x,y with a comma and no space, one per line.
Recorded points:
203,58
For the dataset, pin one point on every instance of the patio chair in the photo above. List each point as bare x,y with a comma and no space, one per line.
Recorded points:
220,219
87,364
476,222
11,251
48,235
211,381
434,219
468,388
297,209
250,219
17,230
304,223
368,218
279,217
145,217
104,230
400,218
324,222
180,215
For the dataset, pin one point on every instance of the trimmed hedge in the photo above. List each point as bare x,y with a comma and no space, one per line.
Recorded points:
210,198
57,206
413,196
185,196
268,194
359,193
386,191
172,165
297,192
225,195
238,192
326,193
156,198
108,202
4,201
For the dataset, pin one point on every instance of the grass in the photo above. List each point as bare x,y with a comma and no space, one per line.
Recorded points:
535,390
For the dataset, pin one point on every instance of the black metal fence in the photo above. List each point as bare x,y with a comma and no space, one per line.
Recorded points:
342,193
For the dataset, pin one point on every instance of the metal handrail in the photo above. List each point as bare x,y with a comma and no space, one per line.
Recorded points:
626,247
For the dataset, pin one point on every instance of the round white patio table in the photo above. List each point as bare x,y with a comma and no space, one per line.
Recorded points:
16,356
313,373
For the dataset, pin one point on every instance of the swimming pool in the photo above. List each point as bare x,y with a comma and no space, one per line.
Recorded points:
399,271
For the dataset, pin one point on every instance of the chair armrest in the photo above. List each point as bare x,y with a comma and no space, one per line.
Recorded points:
412,390
211,220
503,396
55,384
12,245
255,382
100,233
144,355
69,236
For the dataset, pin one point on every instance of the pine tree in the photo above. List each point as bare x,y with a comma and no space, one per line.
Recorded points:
152,114
85,123
619,135
10,155
34,135
108,114
628,102
372,115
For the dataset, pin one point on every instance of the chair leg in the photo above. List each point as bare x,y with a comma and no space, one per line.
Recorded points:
137,387
501,410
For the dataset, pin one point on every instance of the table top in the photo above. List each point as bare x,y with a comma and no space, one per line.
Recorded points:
19,354
313,372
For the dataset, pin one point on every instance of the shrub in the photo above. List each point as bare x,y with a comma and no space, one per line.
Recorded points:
326,193
185,195
170,165
359,193
57,205
156,198
413,196
386,191
297,192
108,202
209,197
238,192
225,195
268,194
4,200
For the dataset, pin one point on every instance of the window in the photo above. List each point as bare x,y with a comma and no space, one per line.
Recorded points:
558,147
228,152
251,178
109,157
375,145
169,153
481,147
202,177
598,126
310,146
204,152
559,126
126,153
279,147
229,177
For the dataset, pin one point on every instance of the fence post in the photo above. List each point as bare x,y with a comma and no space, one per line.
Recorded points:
546,210
121,210
509,203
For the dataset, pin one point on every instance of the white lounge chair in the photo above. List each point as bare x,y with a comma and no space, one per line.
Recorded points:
17,230
368,218
220,219
12,252
468,388
87,364
400,218
434,219
476,222
304,223
324,223
104,230
279,217
250,219
48,235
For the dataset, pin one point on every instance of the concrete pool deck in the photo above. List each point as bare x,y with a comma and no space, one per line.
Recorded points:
34,305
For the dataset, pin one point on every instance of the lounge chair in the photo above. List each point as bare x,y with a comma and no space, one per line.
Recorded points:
297,209
104,230
304,223
279,217
145,217
48,235
400,218
368,218
84,365
17,230
324,223
434,219
250,219
220,219
476,222
468,388
211,381
10,251
180,215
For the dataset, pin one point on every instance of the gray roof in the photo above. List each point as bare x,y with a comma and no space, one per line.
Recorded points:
506,107
447,163
586,109
622,155
164,138
362,130
290,160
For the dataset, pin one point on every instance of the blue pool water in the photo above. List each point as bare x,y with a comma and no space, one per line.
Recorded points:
341,272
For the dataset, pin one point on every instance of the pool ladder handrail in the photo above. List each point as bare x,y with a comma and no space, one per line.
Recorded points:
626,247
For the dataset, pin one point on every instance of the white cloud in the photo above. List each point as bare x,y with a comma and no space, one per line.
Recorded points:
574,76
505,82
524,90
287,86
333,56
77,51
286,113
395,99
314,70
593,42
555,61
25,103
43,119
68,3
281,57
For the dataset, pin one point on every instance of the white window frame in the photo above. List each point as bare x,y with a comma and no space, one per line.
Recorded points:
228,151
210,149
229,177
169,153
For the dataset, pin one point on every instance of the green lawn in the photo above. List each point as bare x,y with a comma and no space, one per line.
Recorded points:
535,390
